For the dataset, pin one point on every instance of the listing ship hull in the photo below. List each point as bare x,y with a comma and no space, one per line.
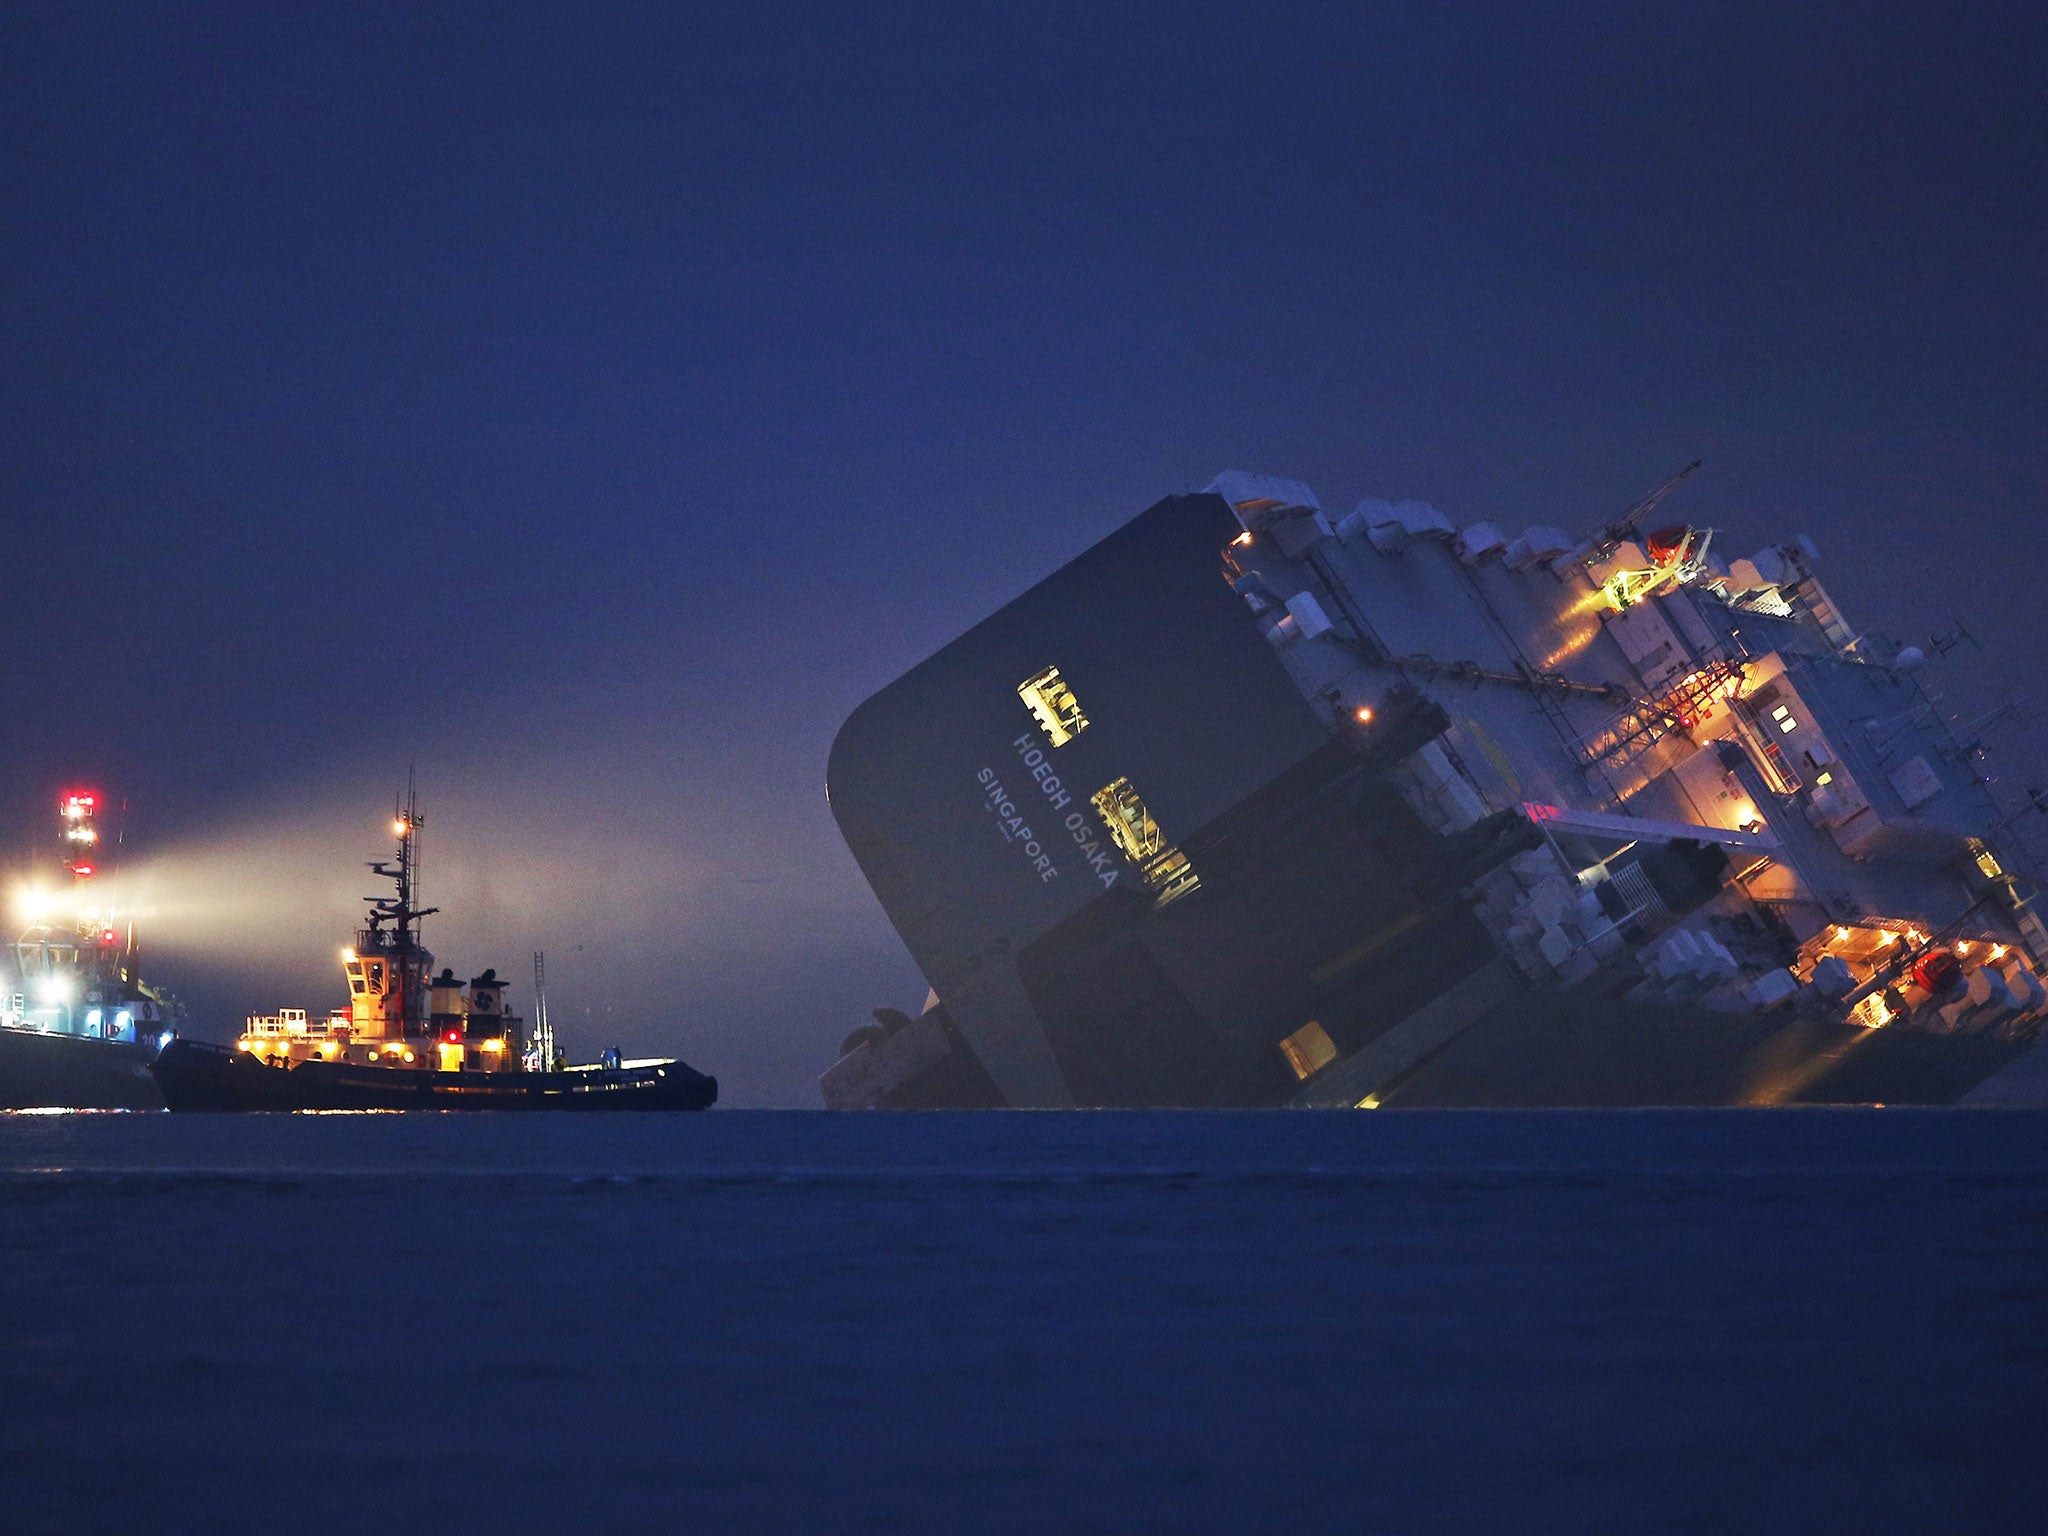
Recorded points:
197,1077
61,1071
1252,804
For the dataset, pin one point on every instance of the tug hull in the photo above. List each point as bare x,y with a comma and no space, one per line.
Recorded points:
196,1077
60,1071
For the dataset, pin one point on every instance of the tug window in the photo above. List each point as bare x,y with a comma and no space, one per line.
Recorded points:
1138,837
1054,706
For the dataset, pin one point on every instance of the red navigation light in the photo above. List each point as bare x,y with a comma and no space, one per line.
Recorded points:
81,869
108,936
454,1036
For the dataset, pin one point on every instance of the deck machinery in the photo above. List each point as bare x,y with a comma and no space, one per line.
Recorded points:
1251,804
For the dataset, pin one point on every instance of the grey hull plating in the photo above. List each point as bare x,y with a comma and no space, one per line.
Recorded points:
52,1071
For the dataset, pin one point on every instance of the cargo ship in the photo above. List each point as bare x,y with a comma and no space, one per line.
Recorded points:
78,1025
413,1039
1257,804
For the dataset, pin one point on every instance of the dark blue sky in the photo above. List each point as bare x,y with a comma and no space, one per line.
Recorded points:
595,403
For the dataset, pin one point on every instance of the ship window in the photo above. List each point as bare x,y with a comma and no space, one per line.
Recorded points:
1172,876
1138,837
1788,724
1054,706
1130,825
1309,1049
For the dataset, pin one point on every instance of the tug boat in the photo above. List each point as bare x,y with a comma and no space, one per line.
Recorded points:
78,1024
411,1039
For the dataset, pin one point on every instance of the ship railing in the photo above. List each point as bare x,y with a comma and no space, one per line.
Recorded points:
291,1023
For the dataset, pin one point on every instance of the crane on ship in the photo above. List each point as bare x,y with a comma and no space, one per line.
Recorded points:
1611,538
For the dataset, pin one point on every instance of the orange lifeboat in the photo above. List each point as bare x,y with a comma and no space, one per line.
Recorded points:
1666,545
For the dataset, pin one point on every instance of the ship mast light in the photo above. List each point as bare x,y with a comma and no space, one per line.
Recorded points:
399,828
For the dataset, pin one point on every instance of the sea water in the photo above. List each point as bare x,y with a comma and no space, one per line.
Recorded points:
1797,1321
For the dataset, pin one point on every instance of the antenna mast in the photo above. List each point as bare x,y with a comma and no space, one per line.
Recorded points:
409,958
543,1031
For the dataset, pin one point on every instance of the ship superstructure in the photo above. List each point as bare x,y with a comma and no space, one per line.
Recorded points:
78,1025
400,1012
1253,804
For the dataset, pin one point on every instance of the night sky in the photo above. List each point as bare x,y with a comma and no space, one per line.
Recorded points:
592,404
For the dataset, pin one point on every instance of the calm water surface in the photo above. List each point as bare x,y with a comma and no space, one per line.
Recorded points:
1724,1321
